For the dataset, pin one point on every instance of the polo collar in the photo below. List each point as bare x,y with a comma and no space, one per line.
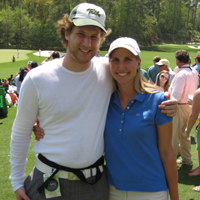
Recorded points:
139,97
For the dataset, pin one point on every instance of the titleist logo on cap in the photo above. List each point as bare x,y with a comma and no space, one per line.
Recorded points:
93,11
87,14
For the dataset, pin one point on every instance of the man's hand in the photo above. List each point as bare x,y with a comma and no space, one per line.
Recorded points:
169,107
39,133
187,137
21,194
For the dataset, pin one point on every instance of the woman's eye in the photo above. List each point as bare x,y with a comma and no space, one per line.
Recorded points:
115,59
127,59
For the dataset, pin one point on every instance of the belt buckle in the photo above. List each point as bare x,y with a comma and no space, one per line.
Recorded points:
72,176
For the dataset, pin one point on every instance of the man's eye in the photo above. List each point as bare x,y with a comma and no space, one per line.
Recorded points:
80,34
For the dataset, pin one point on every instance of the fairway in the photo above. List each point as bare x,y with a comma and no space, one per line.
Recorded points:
7,55
8,67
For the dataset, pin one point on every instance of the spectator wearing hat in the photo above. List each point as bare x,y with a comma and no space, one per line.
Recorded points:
154,70
163,64
29,65
13,96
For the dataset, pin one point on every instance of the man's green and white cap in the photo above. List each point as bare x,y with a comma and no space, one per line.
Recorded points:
86,14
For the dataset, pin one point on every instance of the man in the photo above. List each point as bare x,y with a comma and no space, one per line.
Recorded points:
163,64
73,120
29,65
145,74
153,70
33,65
183,84
54,55
10,78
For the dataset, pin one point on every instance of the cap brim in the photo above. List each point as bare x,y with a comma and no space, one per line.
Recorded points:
88,22
159,63
125,47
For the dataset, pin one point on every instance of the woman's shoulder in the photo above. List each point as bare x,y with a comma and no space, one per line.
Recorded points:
156,96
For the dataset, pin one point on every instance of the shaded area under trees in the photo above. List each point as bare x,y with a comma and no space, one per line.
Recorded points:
33,23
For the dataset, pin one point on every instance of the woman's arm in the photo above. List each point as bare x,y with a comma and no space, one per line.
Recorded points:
168,158
195,112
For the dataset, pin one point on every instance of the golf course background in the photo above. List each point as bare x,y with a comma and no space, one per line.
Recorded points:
8,67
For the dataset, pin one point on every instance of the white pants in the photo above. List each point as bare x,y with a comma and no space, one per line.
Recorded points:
115,194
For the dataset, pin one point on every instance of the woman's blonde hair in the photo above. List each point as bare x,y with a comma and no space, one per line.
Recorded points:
166,86
141,84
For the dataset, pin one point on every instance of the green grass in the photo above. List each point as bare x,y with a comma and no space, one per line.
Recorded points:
7,67
6,192
185,182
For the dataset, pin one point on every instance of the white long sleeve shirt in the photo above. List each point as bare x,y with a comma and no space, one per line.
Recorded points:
71,108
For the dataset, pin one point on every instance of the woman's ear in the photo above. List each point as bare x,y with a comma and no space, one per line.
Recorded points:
139,63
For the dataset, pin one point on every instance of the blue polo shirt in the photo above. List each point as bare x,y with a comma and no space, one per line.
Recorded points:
131,150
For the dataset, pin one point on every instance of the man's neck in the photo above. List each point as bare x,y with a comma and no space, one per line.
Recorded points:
182,64
73,65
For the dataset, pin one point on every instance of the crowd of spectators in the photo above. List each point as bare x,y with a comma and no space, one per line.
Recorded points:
13,83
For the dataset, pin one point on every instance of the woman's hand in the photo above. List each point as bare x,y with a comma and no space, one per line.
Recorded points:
39,133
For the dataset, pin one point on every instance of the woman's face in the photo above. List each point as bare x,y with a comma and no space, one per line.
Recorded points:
164,77
123,66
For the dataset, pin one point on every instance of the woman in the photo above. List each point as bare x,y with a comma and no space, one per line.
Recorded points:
163,80
191,121
5,84
139,157
19,79
137,135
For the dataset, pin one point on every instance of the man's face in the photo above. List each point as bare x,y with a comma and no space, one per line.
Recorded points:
83,44
178,63
163,67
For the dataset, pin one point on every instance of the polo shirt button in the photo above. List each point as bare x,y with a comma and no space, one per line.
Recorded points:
131,101
122,113
122,122
128,107
120,130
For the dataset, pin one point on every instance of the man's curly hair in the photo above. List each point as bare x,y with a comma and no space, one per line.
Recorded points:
65,24
182,56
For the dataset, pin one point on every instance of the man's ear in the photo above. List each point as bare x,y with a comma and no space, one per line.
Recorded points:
66,35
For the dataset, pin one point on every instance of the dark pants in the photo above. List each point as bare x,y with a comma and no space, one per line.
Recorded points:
70,189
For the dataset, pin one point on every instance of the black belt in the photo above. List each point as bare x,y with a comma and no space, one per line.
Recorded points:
77,172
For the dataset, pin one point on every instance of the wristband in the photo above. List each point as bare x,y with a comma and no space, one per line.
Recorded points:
186,131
